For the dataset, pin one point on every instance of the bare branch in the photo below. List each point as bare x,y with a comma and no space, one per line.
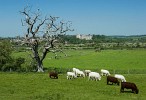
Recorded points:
38,27
22,22
54,31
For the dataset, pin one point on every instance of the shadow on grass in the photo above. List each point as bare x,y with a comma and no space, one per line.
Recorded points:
110,84
128,92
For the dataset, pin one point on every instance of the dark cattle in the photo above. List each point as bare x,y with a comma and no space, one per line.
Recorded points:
53,75
129,85
112,80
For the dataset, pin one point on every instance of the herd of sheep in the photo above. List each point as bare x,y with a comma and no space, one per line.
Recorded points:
116,79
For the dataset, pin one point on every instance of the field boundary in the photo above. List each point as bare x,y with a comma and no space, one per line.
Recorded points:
112,71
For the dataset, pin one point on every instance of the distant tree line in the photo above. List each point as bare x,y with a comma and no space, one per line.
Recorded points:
106,42
105,39
98,41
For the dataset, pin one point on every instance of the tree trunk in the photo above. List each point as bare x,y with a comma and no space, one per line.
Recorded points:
40,66
37,57
39,62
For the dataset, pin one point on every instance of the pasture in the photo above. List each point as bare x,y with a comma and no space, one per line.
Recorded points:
38,86
89,59
128,61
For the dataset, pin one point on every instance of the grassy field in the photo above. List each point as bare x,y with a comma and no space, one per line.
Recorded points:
115,59
123,59
38,86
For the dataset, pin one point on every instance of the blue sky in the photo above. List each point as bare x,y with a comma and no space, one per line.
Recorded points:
106,17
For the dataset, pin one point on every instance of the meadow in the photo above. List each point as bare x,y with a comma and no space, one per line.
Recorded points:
113,60
89,59
38,86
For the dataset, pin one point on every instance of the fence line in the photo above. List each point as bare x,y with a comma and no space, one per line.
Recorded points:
112,71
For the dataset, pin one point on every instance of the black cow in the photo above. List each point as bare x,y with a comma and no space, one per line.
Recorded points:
129,85
112,80
53,75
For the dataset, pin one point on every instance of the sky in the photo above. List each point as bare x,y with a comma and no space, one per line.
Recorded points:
101,17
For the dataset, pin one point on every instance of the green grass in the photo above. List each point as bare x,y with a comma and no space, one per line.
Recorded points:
38,86
132,61
108,59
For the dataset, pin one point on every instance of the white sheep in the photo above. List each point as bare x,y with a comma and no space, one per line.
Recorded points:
120,77
75,70
94,76
80,73
87,72
71,75
105,72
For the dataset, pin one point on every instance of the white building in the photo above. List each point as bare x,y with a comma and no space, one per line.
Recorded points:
83,36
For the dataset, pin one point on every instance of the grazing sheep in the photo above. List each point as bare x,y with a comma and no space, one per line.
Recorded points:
105,72
80,73
94,76
53,75
75,70
112,80
129,85
87,72
120,77
71,75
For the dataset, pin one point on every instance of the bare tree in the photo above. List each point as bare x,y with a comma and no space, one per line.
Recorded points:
53,29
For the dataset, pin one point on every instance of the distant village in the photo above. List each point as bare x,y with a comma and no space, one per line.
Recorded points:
94,41
83,36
